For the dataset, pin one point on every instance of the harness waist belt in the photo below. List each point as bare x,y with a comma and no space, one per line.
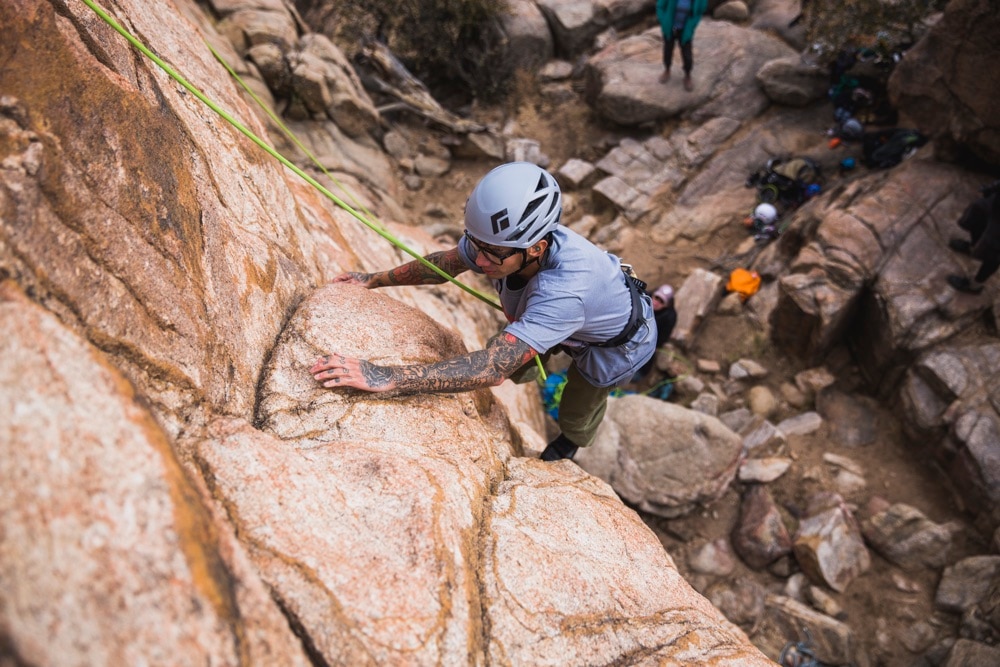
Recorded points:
634,321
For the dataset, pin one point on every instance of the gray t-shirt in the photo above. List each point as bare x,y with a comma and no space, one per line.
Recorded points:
578,297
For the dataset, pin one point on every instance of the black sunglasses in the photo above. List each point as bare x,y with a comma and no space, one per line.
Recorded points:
491,256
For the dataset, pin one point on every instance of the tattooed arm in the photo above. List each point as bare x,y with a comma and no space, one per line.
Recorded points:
483,368
411,273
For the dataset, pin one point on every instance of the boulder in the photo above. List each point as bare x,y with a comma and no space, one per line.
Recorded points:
575,174
802,424
715,558
791,82
872,266
695,299
622,81
852,418
338,93
938,84
828,543
529,43
831,640
636,173
600,591
732,10
247,27
761,433
663,458
714,198
742,601
948,396
905,536
575,24
762,401
778,17
966,653
763,470
760,536
967,583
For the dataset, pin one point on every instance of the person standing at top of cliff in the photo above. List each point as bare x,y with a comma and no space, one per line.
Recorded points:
678,20
557,290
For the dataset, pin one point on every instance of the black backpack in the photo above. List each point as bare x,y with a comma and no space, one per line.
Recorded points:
785,180
887,148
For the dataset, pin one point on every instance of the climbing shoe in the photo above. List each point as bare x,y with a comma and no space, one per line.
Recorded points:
560,448
960,245
963,284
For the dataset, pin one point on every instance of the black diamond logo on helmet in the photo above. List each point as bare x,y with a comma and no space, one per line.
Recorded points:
500,220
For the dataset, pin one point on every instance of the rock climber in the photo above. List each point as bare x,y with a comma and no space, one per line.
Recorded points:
557,290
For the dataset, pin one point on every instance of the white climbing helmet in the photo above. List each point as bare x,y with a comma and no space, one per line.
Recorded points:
852,129
514,205
766,213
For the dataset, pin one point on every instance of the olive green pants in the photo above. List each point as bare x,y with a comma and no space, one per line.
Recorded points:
582,406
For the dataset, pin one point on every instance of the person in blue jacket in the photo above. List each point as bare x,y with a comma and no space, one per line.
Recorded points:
678,19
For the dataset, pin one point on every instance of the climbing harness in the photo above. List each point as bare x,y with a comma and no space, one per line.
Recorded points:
635,288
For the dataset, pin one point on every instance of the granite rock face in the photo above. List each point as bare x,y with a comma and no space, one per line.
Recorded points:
176,489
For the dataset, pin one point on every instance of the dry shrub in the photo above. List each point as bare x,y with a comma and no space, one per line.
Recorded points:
833,25
444,43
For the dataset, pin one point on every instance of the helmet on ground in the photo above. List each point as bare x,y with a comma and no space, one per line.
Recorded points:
514,205
852,129
766,213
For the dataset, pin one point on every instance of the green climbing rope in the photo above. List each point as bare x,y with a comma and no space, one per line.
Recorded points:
377,228
278,156
291,135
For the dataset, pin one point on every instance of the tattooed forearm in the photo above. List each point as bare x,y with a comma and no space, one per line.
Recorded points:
416,273
503,355
362,278
483,368
377,377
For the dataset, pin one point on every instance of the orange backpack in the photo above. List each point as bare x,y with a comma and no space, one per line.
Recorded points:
746,283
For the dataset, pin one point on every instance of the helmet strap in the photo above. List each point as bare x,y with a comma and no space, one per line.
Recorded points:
526,262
